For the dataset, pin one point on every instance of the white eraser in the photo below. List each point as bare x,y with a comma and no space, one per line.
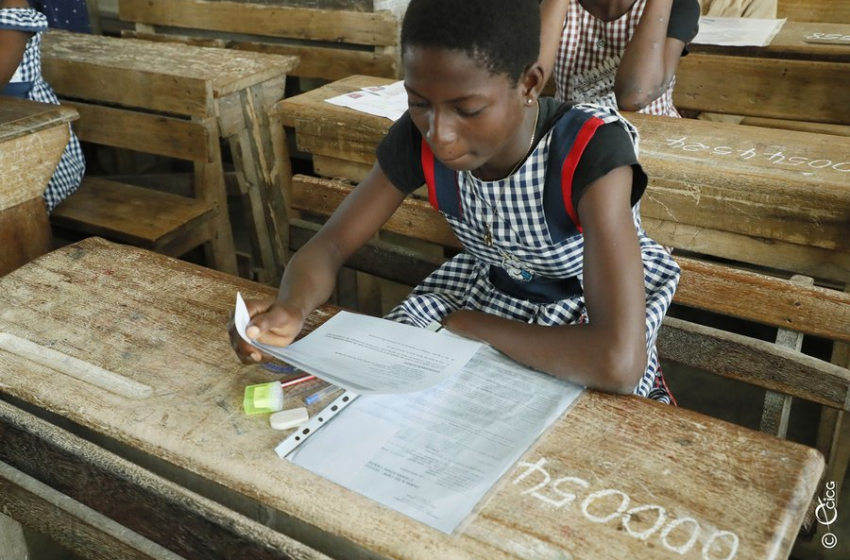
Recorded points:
286,419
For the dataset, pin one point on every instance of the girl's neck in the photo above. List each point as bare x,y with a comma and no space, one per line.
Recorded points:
607,10
523,146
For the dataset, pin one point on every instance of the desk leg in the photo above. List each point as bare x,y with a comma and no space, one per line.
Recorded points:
262,162
209,185
24,234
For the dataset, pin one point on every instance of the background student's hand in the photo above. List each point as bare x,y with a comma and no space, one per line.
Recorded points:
272,322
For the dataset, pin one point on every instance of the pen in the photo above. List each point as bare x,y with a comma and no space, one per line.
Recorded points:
297,380
320,394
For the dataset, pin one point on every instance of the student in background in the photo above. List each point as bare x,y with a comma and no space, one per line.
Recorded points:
618,53
20,76
557,272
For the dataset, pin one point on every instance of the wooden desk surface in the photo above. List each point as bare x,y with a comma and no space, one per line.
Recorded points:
32,138
751,194
227,73
19,117
797,40
618,477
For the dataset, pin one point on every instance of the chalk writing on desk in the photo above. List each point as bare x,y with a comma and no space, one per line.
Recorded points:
677,534
837,37
773,156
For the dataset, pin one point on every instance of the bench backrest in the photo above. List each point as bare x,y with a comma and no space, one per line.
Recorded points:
341,39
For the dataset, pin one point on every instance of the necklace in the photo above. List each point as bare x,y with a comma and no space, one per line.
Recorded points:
488,233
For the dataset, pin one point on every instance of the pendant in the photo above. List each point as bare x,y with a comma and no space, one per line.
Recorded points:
513,267
488,237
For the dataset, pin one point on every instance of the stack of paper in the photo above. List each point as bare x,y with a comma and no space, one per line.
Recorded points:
388,101
737,32
445,420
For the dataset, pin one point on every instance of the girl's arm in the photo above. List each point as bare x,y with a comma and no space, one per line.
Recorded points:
552,16
310,276
609,351
12,45
650,59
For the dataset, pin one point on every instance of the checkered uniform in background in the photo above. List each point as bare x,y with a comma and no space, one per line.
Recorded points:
589,55
28,83
520,230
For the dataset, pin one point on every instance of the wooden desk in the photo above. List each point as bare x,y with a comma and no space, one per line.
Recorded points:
795,41
749,194
228,89
32,139
590,488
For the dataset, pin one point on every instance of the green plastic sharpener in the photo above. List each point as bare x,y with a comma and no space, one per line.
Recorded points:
265,397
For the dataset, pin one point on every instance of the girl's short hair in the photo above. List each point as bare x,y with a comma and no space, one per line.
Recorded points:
503,35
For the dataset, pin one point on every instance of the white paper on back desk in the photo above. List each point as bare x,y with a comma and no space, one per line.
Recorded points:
370,355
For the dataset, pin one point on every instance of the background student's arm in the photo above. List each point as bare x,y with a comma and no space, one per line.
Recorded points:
12,44
650,59
608,352
552,15
310,276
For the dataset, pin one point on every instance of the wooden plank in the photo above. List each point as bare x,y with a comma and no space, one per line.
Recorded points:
143,217
802,126
753,361
79,529
336,26
730,489
20,117
760,87
824,264
179,520
328,63
353,5
143,132
822,11
24,234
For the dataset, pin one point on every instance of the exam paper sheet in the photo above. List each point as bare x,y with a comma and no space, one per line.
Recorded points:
370,355
433,455
737,32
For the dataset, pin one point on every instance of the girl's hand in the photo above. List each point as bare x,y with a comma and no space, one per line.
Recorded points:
272,322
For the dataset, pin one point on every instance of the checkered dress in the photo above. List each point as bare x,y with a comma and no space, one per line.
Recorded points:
520,232
28,83
589,55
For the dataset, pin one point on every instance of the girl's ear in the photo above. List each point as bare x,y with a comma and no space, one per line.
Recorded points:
531,83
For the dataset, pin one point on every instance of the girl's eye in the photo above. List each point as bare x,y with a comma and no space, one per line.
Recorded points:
467,113
419,104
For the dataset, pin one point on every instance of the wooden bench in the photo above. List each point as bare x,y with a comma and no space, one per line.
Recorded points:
720,487
32,139
176,101
332,39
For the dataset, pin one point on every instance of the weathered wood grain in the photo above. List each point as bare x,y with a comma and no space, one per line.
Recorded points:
762,87
796,40
823,11
162,322
336,26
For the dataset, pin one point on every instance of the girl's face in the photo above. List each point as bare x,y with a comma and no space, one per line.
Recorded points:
468,116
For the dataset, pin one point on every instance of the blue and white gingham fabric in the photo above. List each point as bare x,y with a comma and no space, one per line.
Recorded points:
520,229
69,171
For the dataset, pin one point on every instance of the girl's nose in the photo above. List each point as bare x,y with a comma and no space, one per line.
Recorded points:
441,132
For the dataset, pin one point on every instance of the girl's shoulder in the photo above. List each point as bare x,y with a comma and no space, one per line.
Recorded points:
20,16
